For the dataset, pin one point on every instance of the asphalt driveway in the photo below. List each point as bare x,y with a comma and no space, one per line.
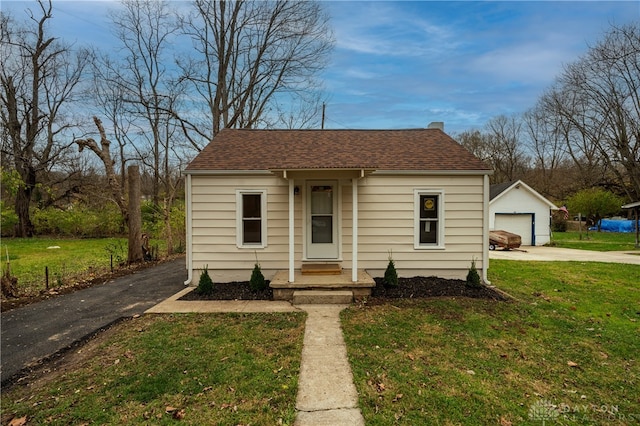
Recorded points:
542,253
36,331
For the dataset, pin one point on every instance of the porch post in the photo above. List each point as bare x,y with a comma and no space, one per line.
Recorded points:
354,260
485,229
291,231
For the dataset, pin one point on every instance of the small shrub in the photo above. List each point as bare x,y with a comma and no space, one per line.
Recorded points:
473,278
558,224
205,285
390,274
117,251
257,282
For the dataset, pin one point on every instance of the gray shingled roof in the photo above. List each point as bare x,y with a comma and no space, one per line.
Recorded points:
499,188
418,149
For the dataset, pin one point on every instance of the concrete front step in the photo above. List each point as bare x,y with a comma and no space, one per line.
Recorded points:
321,269
322,297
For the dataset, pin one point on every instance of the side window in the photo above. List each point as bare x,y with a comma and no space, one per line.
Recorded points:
251,219
429,219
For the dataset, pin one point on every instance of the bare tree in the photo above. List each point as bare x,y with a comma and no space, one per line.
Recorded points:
249,56
548,149
103,152
506,147
39,77
148,90
598,96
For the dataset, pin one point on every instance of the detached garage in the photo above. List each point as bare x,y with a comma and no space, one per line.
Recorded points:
517,208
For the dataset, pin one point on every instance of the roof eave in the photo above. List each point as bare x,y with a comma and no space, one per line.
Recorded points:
226,172
434,172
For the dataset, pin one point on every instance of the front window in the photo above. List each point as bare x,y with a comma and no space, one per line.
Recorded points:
251,218
429,219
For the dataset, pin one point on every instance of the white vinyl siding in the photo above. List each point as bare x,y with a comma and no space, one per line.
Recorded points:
386,222
214,226
386,214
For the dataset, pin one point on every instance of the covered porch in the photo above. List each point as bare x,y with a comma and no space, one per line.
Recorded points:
325,247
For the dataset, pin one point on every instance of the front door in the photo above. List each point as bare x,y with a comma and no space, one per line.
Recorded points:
322,220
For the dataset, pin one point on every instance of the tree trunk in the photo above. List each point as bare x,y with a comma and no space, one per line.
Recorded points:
135,216
24,228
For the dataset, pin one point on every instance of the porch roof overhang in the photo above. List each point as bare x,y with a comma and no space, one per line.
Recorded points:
322,173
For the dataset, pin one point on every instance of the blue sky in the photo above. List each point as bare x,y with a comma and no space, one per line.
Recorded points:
405,64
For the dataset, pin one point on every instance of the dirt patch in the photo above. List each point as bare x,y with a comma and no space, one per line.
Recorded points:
408,288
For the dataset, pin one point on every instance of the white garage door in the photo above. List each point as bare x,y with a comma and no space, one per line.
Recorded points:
517,224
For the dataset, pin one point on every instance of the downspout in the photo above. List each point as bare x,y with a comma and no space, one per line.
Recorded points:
485,231
189,236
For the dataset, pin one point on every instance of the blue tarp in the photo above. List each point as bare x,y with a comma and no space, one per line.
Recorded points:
609,225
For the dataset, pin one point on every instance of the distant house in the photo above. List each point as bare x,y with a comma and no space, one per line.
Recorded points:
516,207
289,198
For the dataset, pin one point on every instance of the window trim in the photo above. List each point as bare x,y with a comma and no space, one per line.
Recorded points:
440,244
240,219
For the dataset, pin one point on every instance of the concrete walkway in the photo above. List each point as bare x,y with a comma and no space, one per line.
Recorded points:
326,393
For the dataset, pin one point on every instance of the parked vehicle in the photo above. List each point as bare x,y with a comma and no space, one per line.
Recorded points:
504,239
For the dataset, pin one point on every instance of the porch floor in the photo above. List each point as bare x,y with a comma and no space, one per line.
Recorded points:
283,289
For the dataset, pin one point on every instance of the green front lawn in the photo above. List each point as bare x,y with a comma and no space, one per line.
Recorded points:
570,338
196,369
598,241
67,260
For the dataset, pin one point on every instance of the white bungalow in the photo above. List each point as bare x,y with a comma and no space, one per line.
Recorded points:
314,199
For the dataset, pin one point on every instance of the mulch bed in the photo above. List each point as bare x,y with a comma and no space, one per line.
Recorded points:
408,288
238,290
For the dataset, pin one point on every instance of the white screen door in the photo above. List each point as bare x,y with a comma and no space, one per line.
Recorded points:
322,229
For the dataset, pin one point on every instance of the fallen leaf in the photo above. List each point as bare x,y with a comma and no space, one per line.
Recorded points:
471,372
179,415
504,422
169,409
18,421
411,357
604,355
398,397
208,388
572,364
